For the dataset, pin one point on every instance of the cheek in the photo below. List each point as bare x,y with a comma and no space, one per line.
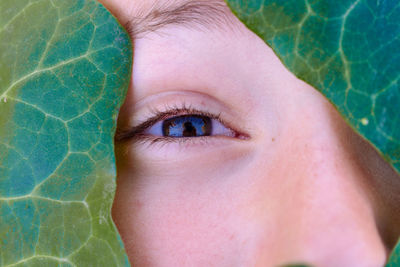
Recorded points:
217,217
165,224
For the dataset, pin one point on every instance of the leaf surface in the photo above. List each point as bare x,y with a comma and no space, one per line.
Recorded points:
349,50
65,67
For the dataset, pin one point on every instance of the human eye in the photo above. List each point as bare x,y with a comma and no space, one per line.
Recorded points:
179,124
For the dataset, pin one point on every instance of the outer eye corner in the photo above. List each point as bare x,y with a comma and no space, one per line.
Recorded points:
221,130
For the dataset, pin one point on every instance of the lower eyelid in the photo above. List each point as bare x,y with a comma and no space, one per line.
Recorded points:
168,145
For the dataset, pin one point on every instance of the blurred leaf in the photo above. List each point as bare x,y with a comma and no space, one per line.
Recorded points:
394,260
64,70
349,50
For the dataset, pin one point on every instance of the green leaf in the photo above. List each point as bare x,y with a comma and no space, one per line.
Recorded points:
65,67
349,50
394,260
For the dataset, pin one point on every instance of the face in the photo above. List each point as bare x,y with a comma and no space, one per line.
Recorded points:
224,158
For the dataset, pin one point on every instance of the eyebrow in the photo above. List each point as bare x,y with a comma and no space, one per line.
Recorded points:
209,14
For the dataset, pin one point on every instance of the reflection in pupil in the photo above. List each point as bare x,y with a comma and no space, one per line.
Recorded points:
189,129
187,126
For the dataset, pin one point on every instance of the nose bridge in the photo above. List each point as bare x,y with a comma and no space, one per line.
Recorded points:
322,151
320,161
322,215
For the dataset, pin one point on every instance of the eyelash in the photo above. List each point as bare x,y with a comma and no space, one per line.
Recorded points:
136,133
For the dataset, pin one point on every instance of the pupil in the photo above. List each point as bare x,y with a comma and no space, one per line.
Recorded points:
187,126
189,129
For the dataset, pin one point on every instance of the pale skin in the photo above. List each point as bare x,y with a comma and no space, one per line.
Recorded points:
294,185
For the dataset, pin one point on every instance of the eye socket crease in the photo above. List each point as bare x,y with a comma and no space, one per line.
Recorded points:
191,14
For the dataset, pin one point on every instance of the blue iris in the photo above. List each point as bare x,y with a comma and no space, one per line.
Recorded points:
187,126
